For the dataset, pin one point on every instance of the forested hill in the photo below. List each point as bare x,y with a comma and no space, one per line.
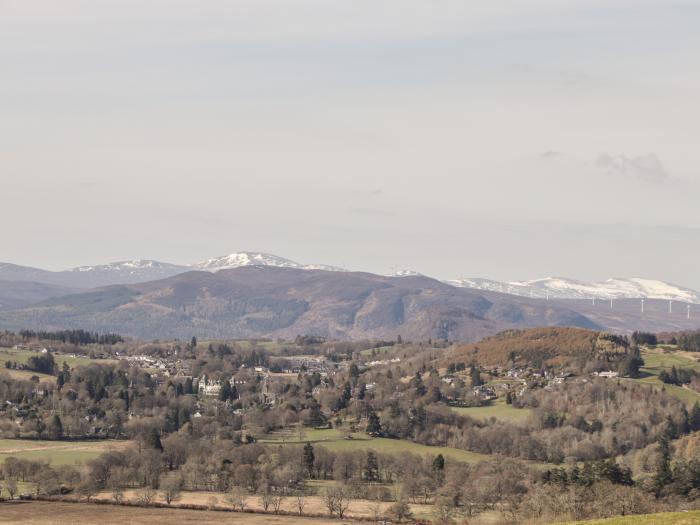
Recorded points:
286,302
541,346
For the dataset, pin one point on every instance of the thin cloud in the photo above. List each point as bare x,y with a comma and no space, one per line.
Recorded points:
370,212
646,168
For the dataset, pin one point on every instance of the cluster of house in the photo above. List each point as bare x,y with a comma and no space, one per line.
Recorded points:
310,365
370,364
165,366
212,387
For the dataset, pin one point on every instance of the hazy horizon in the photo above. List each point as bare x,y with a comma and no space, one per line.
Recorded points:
512,140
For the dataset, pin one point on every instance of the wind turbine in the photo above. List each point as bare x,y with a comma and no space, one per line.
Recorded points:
642,305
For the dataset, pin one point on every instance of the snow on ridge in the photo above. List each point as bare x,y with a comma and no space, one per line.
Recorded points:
236,260
121,266
564,288
406,273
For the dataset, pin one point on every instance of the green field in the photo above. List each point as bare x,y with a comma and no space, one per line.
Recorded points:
379,351
499,410
23,355
656,360
664,518
335,440
56,452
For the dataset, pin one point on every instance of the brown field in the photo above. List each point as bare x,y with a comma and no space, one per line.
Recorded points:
359,508
554,344
64,513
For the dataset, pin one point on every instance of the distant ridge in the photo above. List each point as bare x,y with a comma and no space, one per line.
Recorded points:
237,260
144,270
563,288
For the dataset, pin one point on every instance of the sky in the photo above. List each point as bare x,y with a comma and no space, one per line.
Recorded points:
502,139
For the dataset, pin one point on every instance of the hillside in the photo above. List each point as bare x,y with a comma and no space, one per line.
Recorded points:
18,294
256,301
550,345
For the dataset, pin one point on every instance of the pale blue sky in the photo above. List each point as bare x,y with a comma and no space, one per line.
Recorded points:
509,140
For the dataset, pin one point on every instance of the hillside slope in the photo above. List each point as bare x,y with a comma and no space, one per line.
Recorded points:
543,344
284,302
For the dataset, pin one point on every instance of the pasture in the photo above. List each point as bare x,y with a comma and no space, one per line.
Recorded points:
56,452
499,410
658,359
22,355
335,440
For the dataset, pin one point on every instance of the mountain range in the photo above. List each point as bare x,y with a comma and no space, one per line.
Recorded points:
563,288
143,270
260,295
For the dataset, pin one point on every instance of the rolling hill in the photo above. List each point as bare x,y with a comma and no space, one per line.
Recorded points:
255,301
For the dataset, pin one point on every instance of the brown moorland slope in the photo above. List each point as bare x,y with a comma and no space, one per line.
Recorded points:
553,345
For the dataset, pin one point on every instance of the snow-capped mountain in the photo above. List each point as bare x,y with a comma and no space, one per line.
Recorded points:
133,268
123,272
142,270
563,288
236,260
406,273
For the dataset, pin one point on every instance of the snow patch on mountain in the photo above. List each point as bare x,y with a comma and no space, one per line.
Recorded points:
135,266
406,273
564,288
236,260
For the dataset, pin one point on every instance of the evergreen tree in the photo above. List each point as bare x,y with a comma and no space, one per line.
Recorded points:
694,419
417,383
475,376
309,459
225,392
362,391
663,475
316,417
55,427
439,469
153,440
374,426
371,467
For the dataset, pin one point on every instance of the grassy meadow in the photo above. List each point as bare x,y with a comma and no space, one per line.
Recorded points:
336,440
56,452
22,355
659,359
498,409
